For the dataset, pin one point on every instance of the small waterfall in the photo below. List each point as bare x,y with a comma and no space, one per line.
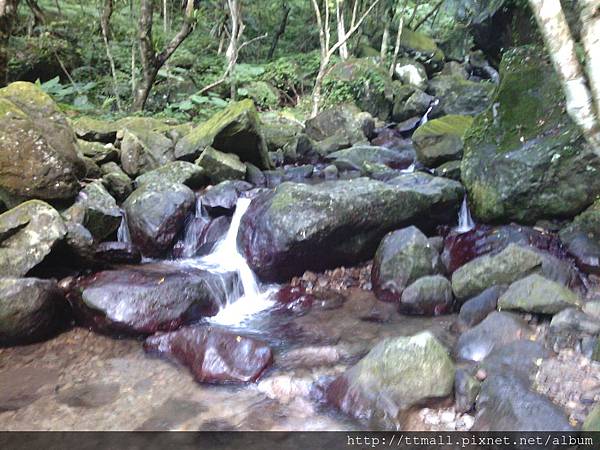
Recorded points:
465,221
425,117
226,258
193,230
123,234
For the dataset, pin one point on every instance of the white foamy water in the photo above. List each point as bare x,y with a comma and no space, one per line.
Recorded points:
425,117
123,234
465,221
226,258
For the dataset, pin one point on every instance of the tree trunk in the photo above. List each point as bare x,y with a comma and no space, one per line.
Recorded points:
561,47
280,31
341,28
397,46
105,26
152,62
389,17
8,18
590,37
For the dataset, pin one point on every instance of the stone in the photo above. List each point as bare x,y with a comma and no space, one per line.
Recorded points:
39,155
411,72
28,233
156,213
450,169
422,48
99,211
441,140
396,374
279,129
524,159
299,227
144,150
236,129
141,300
369,159
345,125
97,152
573,320
416,105
521,357
222,198
179,172
219,166
461,97
538,295
428,296
117,253
117,182
466,388
30,309
511,264
95,130
474,310
212,354
497,329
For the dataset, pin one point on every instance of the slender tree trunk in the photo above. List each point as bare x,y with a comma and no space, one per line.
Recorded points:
435,9
8,18
105,26
389,17
561,47
152,62
590,37
397,46
341,28
280,31
38,13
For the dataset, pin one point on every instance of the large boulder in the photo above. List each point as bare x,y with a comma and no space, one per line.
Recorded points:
461,97
524,159
144,150
236,129
441,140
395,375
279,129
219,166
422,48
137,301
181,172
539,295
428,296
403,257
39,156
29,309
28,233
213,355
116,181
409,103
506,267
370,159
156,214
298,226
362,82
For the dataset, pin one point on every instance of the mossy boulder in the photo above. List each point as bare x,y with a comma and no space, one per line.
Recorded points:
263,94
415,105
181,172
93,129
116,181
236,129
422,48
219,166
524,158
29,309
396,374
39,156
428,296
369,159
441,140
145,150
28,233
98,152
298,227
279,129
361,82
460,96
536,294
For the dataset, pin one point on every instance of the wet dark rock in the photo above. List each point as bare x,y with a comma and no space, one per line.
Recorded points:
586,253
301,227
213,355
255,176
495,330
428,296
200,236
393,138
116,181
222,198
141,300
298,173
574,321
368,159
527,160
156,214
97,152
506,403
30,309
441,140
520,357
236,129
451,170
538,295
415,105
395,375
474,310
91,395
39,156
117,253
344,125
28,233
466,388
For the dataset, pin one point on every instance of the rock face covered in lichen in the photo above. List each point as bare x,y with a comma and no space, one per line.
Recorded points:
524,158
39,156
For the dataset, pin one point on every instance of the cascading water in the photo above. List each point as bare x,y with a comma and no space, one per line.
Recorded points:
123,234
225,258
425,118
465,221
